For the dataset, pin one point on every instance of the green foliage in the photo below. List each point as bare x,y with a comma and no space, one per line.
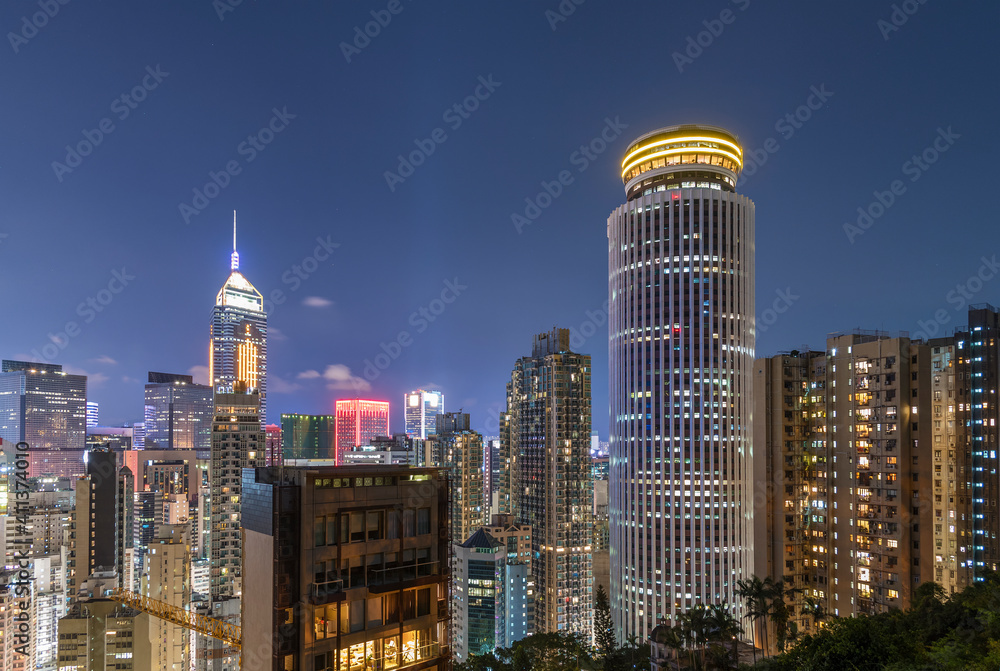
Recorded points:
559,652
936,633
604,633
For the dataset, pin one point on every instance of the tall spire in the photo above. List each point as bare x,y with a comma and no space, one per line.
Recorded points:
235,258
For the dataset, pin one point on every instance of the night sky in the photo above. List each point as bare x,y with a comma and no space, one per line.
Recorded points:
309,132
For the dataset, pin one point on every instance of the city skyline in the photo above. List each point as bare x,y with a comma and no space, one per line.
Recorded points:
296,204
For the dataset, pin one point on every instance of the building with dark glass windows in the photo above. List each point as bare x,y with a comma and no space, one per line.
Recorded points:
977,351
308,436
178,413
47,408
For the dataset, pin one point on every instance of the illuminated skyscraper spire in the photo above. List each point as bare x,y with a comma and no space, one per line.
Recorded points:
239,334
234,263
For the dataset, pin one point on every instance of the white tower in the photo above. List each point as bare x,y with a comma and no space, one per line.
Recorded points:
681,349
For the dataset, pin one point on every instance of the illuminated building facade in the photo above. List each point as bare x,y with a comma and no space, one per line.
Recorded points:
99,633
456,447
93,414
419,409
681,309
47,408
978,412
272,442
549,415
359,555
237,443
178,413
847,450
308,436
358,422
493,589
239,335
168,580
951,530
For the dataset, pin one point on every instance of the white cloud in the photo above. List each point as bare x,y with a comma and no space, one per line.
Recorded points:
276,334
339,377
200,374
277,385
308,375
93,379
105,359
316,302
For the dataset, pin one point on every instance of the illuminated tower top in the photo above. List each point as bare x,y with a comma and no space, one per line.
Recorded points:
675,157
237,292
234,262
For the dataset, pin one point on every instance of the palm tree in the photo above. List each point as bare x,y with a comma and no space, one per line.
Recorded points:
696,623
781,613
754,591
725,627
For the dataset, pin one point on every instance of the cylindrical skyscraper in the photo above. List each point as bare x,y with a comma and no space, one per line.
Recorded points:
681,348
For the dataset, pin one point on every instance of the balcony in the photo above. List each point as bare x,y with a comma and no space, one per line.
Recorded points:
392,659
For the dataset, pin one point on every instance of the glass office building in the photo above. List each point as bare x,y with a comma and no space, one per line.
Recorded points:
178,413
47,408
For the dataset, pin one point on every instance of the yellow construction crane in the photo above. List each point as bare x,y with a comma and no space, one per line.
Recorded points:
230,634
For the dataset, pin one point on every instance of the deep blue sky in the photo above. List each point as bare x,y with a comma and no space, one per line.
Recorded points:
323,176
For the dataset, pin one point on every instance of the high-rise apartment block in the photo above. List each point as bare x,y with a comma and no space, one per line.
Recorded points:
178,413
547,434
46,408
168,580
100,634
99,541
680,321
455,446
846,446
420,408
358,422
237,443
349,567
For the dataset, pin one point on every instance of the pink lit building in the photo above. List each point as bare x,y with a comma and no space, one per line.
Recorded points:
358,421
